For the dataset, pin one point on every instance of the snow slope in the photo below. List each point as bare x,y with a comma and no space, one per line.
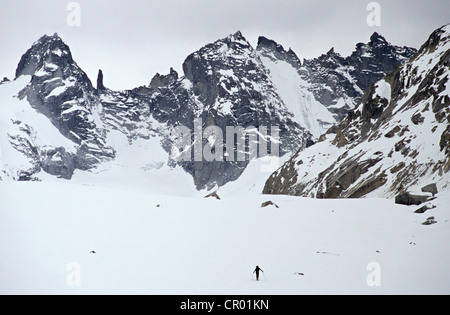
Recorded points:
293,90
148,241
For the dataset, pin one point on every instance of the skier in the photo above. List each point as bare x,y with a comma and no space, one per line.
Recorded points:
257,270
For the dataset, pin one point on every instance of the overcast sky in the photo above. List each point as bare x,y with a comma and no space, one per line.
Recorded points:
132,40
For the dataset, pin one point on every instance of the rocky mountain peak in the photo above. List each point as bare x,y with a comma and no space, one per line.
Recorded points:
61,91
237,38
271,49
332,59
160,80
377,38
46,52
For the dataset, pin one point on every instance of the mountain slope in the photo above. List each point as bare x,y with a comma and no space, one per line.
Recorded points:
396,139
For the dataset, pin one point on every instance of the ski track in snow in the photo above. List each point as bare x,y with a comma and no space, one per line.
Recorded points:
148,240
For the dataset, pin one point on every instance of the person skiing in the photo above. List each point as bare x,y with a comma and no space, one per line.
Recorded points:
257,270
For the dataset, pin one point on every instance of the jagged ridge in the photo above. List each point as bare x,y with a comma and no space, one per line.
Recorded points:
225,83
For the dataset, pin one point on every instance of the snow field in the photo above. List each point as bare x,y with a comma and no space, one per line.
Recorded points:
193,245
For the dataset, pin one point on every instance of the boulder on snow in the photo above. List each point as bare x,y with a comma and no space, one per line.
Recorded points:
213,194
431,188
407,198
424,208
268,203
429,221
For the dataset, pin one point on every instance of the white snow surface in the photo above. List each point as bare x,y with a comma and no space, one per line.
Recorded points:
149,239
383,89
293,90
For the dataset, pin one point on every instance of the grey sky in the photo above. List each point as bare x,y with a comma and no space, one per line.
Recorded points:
132,40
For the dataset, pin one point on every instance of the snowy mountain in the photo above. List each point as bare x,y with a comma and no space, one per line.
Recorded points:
320,92
50,82
227,83
134,223
396,139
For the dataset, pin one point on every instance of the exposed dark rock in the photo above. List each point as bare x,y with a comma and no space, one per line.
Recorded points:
391,133
406,198
212,195
417,119
350,171
100,85
397,167
57,162
429,221
163,80
340,140
368,185
269,203
277,51
431,188
424,208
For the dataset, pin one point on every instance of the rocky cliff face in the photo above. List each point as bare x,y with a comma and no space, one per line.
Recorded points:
227,83
395,139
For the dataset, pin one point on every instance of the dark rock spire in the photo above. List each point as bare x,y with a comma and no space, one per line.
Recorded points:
100,85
